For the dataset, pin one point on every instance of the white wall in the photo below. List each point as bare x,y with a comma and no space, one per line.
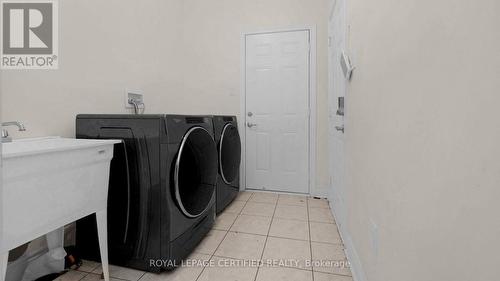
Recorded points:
1,181
105,47
212,32
423,139
184,55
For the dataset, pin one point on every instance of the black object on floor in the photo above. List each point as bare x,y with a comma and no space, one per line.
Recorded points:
50,277
161,200
72,259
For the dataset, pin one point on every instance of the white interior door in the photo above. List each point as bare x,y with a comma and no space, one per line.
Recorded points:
337,88
277,111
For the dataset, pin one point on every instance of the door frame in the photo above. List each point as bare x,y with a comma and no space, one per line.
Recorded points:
312,102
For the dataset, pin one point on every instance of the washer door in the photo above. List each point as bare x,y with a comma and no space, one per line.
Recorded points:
229,153
195,172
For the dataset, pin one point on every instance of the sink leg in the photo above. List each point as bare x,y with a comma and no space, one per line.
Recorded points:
4,259
102,231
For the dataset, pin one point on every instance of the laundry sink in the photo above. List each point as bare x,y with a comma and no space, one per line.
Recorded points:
48,183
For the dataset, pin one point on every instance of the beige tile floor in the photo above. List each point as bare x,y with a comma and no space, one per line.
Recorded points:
295,238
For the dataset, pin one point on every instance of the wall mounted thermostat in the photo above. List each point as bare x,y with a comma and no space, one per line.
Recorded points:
346,65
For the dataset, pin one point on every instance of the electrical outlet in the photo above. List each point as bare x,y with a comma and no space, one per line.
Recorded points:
137,95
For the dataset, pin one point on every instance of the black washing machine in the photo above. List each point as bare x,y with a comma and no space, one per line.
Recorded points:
161,199
228,143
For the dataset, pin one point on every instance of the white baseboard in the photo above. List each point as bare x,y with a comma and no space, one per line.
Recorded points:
357,271
321,192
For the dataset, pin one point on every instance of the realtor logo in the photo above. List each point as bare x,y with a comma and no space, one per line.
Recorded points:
29,34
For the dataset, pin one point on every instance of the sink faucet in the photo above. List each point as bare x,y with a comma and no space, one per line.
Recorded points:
5,133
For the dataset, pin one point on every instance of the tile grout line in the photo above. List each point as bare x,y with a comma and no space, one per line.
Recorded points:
238,215
310,241
86,274
83,277
310,237
285,204
253,215
290,267
267,237
139,277
341,244
281,237
227,231
91,272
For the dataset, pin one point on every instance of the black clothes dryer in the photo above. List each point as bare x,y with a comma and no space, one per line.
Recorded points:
161,199
228,143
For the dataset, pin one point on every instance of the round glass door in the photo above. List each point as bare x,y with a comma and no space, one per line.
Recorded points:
229,153
195,172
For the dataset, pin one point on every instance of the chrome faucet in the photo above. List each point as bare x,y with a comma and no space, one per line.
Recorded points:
5,133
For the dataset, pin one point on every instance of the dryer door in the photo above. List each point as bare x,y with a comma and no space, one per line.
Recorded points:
229,153
195,172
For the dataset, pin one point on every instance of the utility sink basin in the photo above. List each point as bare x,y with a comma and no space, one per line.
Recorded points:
48,183
38,146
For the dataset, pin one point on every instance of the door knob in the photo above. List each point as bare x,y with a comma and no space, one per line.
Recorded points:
340,128
251,125
250,114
